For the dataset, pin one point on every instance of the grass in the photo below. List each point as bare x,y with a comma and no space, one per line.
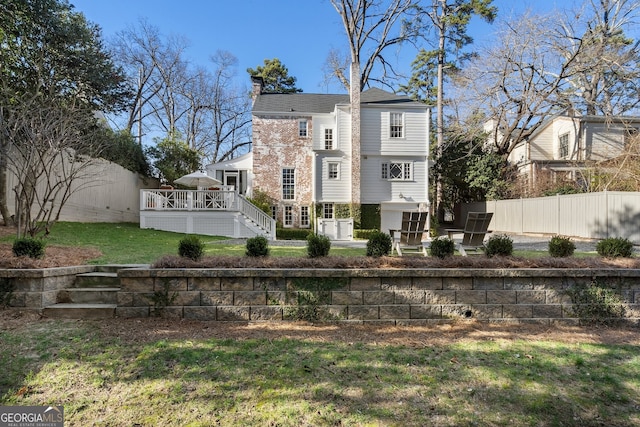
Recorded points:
127,243
103,380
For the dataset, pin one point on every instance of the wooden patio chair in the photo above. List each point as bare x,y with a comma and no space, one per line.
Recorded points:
411,233
473,233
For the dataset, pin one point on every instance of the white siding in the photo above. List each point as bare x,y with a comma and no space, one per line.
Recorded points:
378,148
334,190
375,132
376,190
320,123
606,141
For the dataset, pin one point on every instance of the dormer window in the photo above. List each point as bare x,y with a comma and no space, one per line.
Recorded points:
303,128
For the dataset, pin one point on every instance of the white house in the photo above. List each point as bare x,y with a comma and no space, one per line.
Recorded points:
302,158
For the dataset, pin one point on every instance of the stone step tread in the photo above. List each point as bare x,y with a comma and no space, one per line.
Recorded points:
98,274
67,305
92,289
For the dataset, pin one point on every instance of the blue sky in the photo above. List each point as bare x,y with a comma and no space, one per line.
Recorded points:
298,32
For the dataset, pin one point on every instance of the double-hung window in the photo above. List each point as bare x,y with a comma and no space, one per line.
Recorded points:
288,216
288,183
397,171
563,141
396,125
333,170
305,218
303,128
328,139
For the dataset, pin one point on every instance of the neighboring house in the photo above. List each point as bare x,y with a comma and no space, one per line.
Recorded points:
565,144
302,158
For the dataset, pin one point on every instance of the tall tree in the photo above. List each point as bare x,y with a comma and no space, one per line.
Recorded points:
200,103
56,73
275,76
605,77
371,26
449,20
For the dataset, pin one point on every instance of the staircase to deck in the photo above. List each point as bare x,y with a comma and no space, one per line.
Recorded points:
92,296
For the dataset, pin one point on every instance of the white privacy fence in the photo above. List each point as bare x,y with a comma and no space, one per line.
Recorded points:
589,215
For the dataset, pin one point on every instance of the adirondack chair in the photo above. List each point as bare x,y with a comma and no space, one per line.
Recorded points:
411,234
473,233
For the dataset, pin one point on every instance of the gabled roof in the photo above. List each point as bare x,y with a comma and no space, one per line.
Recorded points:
323,103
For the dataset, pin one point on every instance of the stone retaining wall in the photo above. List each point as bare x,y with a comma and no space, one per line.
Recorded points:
401,297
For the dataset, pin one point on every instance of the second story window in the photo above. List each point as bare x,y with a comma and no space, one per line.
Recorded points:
396,121
303,128
328,139
397,171
288,183
563,146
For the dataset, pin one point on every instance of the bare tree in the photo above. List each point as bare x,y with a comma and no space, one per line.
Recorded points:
517,82
605,75
51,151
202,106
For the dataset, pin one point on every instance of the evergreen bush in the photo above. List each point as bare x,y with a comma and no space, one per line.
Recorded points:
499,245
379,244
442,247
191,247
318,246
561,246
27,246
257,246
615,247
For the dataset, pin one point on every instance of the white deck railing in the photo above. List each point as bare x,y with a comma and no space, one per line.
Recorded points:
190,200
206,200
257,215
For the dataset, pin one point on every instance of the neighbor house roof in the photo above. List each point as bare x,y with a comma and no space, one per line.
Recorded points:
322,103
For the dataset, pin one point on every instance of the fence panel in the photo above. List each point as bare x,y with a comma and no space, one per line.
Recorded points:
589,215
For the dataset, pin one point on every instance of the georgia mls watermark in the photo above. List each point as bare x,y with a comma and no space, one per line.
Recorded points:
31,416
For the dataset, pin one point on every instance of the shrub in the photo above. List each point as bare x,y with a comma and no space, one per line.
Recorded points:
191,247
257,246
500,245
560,246
27,246
442,247
318,246
596,303
379,244
292,233
615,247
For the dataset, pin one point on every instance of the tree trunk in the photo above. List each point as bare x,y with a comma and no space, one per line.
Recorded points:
4,211
439,211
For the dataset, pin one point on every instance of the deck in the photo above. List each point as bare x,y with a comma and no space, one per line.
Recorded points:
221,212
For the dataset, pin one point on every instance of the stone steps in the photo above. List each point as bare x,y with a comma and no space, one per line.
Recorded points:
92,296
80,311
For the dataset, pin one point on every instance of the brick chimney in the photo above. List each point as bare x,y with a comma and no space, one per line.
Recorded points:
257,83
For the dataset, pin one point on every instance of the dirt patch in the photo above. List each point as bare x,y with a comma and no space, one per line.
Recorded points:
153,329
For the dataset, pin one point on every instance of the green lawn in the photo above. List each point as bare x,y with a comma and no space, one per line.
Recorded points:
127,243
197,379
